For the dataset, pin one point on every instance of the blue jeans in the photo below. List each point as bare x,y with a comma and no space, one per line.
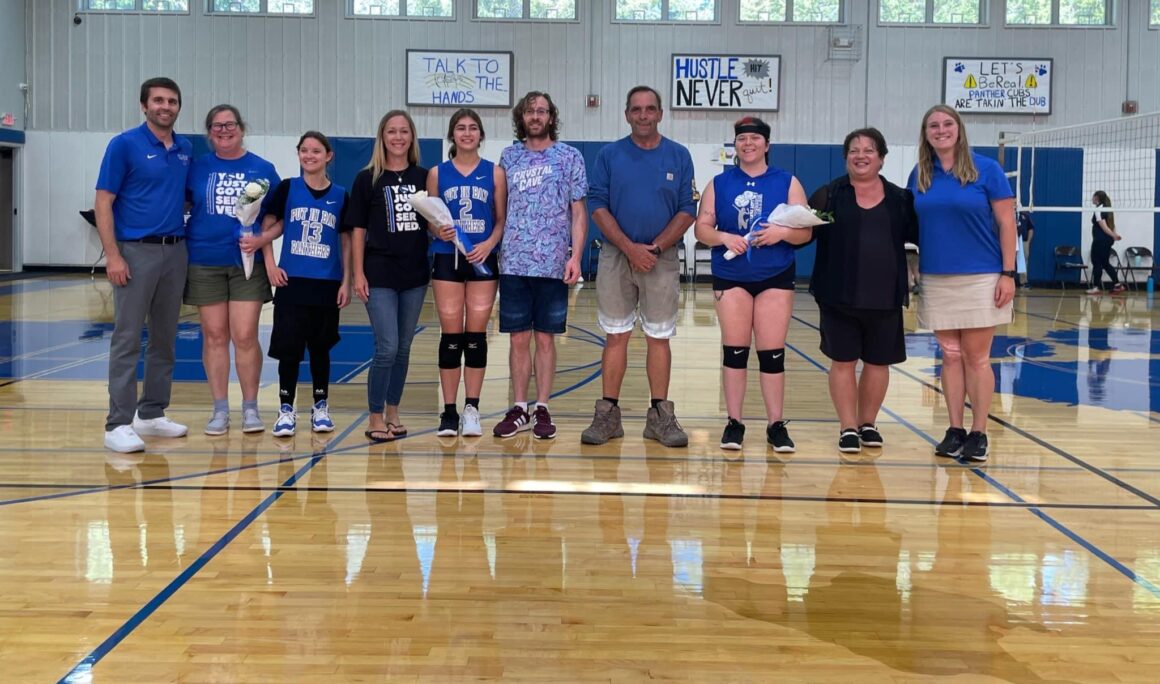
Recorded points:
393,314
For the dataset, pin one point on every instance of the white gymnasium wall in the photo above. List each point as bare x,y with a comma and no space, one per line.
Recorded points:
288,74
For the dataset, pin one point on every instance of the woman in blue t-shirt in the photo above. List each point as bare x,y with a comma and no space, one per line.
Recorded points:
1104,235
475,190
754,289
967,266
228,303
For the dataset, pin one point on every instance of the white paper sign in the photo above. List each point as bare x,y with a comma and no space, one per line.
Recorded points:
748,83
992,85
448,78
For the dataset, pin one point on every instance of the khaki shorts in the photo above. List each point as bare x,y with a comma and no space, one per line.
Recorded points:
215,284
619,291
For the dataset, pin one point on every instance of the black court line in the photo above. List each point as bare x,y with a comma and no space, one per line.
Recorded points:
451,489
1095,470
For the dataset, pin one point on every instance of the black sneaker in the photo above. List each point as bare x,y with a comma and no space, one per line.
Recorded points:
976,448
778,437
848,442
448,424
952,444
870,435
733,436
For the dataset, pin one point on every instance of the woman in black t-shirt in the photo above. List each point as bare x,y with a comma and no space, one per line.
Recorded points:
390,264
1103,236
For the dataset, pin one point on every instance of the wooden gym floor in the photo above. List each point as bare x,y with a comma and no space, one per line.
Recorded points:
257,559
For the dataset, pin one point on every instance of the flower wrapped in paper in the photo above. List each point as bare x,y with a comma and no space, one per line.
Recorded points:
790,216
436,212
246,210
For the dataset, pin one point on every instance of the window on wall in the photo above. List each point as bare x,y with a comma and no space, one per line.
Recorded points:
402,8
1060,12
1155,13
262,7
930,12
818,11
526,9
136,5
666,10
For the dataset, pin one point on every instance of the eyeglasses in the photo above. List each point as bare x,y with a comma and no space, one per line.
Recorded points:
224,126
538,112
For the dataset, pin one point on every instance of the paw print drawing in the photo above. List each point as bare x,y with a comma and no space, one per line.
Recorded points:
1040,70
959,68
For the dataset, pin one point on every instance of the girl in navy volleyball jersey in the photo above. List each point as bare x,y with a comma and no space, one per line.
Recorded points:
312,277
754,290
475,190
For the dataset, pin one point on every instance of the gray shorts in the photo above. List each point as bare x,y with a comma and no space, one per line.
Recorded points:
214,284
621,290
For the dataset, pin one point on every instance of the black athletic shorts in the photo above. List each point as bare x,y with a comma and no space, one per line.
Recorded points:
300,327
871,335
781,281
443,267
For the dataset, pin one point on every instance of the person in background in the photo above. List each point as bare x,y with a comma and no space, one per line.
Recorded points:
1104,235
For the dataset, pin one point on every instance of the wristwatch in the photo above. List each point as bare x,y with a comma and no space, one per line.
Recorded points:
1014,275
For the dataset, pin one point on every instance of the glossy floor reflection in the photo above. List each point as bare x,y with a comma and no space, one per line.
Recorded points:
246,558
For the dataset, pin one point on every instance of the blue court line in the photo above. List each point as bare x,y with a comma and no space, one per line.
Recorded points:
82,671
1034,509
1095,470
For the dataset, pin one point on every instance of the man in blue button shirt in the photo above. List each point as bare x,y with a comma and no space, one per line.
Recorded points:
140,208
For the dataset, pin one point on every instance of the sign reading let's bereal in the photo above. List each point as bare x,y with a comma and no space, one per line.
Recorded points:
726,82
995,85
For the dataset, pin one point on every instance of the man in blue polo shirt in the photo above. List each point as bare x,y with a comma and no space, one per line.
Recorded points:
642,199
140,209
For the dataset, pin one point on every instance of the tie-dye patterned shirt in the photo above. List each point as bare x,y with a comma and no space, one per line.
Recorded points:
541,188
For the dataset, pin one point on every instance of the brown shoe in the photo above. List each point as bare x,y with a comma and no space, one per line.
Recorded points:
605,424
661,425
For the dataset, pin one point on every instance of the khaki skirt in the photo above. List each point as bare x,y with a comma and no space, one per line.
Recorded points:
958,302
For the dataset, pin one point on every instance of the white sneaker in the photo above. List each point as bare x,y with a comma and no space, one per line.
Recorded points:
158,427
284,426
469,422
123,439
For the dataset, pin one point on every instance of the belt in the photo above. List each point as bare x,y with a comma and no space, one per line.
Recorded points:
159,239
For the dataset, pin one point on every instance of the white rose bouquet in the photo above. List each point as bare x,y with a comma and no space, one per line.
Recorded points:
246,211
436,212
791,216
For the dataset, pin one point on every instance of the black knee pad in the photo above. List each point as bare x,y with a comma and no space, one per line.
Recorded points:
771,360
475,350
450,350
734,357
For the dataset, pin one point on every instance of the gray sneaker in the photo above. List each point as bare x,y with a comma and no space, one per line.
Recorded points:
605,424
661,425
219,423
252,421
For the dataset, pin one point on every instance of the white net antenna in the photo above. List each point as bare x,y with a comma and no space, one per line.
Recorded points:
1119,156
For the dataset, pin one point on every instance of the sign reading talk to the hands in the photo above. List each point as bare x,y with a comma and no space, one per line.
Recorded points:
725,82
449,78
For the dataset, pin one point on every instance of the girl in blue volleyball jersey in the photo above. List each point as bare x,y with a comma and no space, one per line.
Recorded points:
754,291
312,277
475,190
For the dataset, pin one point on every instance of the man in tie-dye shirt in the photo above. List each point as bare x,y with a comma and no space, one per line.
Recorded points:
540,256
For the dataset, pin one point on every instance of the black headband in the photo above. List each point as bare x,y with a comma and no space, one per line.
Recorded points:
759,127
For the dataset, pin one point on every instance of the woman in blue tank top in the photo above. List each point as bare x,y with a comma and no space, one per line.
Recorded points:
475,190
313,277
754,288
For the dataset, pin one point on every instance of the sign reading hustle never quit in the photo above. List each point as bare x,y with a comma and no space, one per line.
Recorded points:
748,83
